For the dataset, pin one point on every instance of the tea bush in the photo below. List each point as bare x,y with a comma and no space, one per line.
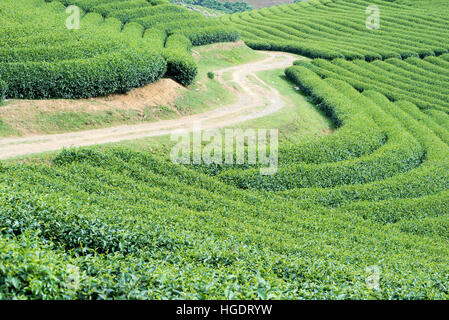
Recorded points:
320,29
44,59
183,28
421,81
112,223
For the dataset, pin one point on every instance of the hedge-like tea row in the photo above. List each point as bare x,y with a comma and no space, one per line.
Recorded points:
83,78
201,231
319,29
211,34
111,223
174,20
440,117
95,60
180,64
421,81
430,206
401,153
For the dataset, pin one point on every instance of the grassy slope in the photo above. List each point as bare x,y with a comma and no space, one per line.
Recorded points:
300,120
206,94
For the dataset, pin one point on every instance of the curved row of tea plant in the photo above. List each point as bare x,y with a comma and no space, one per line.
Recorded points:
342,183
41,58
117,219
429,180
182,234
176,21
161,14
346,175
320,29
424,4
113,223
400,153
425,82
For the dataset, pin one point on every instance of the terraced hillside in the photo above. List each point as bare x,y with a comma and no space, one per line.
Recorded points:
170,28
440,4
424,82
161,15
120,45
374,193
337,29
42,58
103,223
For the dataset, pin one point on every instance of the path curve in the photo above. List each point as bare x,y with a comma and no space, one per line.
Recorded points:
255,99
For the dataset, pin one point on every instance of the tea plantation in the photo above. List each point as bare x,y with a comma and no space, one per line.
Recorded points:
421,81
115,49
337,29
41,58
112,223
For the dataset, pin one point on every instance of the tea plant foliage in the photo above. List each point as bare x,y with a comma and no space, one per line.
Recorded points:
112,223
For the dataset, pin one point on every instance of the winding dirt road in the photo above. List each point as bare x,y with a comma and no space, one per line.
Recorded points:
255,99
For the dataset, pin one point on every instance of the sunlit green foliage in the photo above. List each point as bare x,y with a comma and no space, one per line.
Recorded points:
177,22
337,29
424,82
120,45
113,223
41,58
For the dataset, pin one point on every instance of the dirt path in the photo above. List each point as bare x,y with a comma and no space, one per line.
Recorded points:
255,99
